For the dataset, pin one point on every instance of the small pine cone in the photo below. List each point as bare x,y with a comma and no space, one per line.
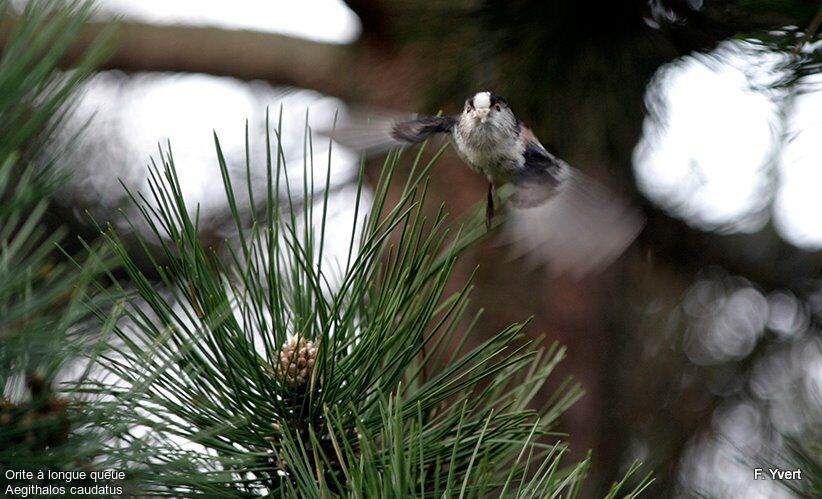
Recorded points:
295,362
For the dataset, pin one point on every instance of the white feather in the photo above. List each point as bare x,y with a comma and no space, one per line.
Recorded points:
482,100
368,129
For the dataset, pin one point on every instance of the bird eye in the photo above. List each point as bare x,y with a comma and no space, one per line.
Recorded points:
497,107
468,109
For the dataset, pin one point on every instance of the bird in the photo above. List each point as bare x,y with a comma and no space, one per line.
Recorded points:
576,223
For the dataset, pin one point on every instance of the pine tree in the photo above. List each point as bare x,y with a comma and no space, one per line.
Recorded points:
45,323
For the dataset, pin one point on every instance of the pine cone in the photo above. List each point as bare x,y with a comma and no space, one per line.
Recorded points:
295,362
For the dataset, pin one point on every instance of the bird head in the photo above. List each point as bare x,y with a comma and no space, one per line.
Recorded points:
487,107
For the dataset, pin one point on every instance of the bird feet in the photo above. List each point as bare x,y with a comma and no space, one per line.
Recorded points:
489,206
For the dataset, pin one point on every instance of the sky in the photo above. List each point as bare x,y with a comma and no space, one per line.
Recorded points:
321,20
714,158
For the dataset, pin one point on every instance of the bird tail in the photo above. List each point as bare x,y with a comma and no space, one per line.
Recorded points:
580,230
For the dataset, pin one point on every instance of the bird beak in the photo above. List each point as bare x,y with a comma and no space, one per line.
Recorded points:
483,114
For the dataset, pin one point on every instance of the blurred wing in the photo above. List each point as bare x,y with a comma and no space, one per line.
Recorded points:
379,132
567,220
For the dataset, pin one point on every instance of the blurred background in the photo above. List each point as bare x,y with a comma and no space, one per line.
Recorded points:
700,349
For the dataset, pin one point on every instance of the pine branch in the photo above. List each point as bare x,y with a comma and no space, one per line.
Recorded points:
296,378
44,321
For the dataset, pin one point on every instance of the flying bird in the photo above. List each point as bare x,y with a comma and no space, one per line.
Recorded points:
561,215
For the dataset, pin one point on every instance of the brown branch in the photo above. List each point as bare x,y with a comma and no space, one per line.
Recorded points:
245,55
369,72
241,54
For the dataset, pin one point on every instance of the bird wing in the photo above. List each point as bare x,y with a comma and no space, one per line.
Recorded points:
421,127
542,173
376,132
565,219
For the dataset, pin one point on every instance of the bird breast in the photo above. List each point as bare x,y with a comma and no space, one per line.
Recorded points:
492,151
